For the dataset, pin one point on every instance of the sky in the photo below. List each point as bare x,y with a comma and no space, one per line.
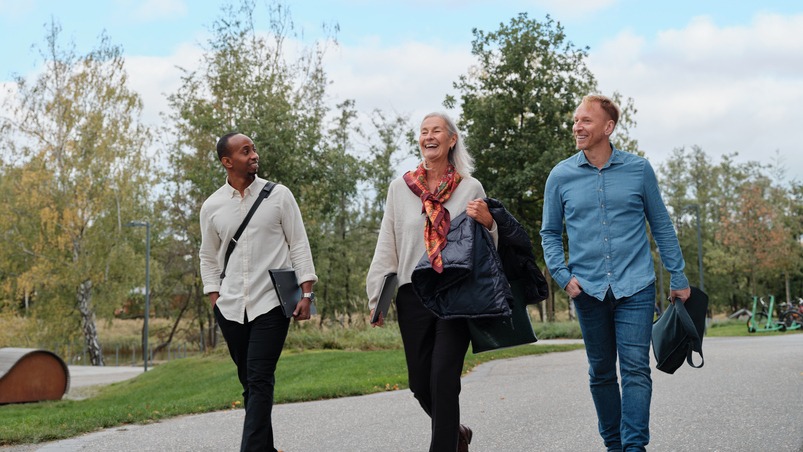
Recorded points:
721,75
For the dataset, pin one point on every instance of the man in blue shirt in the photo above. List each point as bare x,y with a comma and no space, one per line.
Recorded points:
604,195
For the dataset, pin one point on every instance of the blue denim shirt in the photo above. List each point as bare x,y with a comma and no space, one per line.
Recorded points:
605,212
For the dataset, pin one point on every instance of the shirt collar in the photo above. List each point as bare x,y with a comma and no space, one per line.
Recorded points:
615,158
255,187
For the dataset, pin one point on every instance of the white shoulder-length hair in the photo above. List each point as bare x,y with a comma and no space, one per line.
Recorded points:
459,157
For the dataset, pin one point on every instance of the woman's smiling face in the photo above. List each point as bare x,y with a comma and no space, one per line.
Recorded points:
435,139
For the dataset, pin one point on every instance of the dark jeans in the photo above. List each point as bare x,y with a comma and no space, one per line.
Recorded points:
619,327
435,350
255,348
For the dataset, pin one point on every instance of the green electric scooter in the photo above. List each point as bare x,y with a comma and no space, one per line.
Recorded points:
761,321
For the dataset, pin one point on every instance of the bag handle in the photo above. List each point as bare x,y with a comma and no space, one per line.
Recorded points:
688,325
233,242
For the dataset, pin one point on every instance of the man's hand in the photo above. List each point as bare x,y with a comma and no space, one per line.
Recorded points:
302,309
683,294
573,289
213,296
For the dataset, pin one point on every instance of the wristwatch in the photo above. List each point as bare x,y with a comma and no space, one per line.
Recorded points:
310,295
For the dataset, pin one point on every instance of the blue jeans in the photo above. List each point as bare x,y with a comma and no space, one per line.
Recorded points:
624,327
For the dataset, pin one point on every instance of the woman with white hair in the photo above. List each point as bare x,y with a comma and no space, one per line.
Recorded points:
418,211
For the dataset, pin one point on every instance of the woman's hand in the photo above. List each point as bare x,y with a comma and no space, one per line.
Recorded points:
380,322
478,210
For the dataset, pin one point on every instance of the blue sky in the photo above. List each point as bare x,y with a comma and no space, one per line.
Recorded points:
723,75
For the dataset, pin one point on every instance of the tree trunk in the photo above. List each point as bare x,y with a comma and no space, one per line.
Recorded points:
84,298
180,315
788,290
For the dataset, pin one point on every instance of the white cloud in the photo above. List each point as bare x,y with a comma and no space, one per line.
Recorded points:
13,9
159,9
154,78
725,89
576,8
409,79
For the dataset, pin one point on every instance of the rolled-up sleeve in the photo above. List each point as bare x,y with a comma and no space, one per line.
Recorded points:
300,253
209,253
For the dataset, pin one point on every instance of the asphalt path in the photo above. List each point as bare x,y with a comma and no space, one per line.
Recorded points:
747,397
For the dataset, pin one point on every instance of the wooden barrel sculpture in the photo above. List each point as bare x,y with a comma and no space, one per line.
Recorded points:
32,375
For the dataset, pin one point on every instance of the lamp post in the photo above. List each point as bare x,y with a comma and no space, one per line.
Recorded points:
147,226
696,208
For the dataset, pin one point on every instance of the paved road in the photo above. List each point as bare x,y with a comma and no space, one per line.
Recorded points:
747,397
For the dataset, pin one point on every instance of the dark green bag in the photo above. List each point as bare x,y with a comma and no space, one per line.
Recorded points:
493,333
679,332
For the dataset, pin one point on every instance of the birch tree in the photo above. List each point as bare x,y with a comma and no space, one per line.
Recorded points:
80,172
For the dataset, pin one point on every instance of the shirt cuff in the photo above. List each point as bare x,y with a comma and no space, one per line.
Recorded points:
678,282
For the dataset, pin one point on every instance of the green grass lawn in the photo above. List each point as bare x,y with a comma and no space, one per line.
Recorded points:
209,383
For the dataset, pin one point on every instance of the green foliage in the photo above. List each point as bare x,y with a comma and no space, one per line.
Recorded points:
517,106
79,171
358,336
557,330
247,83
750,226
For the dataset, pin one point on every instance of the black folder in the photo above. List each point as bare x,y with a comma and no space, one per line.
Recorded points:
389,285
288,290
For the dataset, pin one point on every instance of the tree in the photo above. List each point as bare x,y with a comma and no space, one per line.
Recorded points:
750,224
247,83
82,171
756,231
339,261
517,111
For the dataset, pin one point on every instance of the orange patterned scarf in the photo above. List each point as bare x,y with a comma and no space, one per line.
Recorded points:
438,219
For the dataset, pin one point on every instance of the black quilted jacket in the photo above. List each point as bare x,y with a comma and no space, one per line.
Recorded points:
475,278
473,282
516,252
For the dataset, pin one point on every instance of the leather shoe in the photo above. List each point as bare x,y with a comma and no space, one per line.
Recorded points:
464,438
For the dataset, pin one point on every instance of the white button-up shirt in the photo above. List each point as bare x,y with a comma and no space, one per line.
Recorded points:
274,238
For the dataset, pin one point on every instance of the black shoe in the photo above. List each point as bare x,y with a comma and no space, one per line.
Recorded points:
464,438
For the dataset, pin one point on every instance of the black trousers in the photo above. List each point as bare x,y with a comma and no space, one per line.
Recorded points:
255,348
435,350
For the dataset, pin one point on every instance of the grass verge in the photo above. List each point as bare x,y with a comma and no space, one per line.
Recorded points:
209,383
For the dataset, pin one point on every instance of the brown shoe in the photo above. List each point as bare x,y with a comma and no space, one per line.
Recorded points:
464,438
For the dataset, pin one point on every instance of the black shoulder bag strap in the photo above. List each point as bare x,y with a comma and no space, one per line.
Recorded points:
233,242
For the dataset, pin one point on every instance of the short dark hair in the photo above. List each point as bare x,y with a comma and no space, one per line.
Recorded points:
223,145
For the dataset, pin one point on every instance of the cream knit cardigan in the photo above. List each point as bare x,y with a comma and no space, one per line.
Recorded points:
401,236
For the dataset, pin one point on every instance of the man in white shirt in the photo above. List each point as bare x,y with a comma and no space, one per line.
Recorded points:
245,303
